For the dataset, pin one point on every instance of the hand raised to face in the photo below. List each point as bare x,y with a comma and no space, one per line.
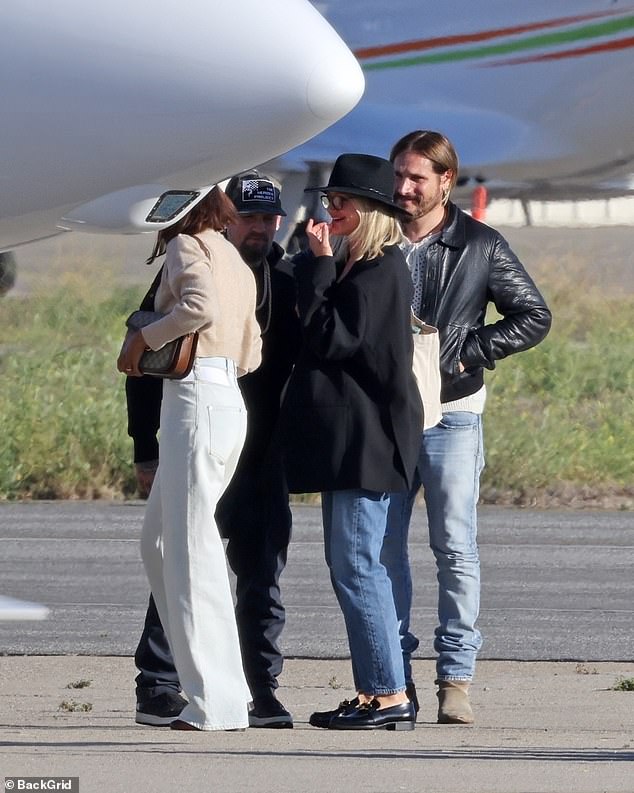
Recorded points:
318,235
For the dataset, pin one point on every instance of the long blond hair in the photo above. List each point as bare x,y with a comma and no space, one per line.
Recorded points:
377,229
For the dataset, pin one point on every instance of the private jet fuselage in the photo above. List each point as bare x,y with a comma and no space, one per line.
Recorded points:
108,106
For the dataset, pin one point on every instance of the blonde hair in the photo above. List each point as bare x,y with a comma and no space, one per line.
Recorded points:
377,229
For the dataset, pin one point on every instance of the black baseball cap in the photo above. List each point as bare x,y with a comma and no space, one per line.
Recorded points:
253,192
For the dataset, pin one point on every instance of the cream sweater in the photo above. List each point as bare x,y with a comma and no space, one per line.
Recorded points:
214,295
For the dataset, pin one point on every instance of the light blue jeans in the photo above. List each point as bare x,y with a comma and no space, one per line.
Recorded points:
354,527
449,466
203,426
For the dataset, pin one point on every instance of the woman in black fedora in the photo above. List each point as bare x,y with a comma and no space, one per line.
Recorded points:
351,417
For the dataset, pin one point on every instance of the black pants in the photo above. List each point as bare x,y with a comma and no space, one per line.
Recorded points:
254,516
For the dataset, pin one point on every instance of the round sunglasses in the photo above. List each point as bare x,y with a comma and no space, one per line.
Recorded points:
335,201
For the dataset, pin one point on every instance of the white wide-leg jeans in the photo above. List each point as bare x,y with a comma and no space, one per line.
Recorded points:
203,426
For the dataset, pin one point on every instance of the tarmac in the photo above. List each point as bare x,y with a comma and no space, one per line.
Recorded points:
549,727
557,605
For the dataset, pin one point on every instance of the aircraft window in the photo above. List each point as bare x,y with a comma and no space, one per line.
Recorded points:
170,204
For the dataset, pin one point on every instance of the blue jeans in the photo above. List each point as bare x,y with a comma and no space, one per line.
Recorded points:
354,527
449,466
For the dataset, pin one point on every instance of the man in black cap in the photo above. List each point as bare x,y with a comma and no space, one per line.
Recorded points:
253,513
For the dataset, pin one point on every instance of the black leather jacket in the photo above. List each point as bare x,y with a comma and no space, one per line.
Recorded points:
468,267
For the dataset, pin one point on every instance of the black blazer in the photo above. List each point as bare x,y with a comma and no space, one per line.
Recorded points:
352,415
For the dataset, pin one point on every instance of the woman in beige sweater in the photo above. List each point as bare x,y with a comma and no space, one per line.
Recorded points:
205,286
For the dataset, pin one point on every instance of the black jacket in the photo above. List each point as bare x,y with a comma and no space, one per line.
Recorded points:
470,266
352,416
261,388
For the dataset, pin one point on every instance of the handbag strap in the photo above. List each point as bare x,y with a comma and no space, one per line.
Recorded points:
203,247
147,304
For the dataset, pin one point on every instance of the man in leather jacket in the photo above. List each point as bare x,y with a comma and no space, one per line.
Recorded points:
459,266
253,513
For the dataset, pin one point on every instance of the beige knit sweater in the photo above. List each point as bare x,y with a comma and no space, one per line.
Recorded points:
214,295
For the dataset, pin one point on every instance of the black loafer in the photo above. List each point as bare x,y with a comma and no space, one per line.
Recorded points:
369,717
322,718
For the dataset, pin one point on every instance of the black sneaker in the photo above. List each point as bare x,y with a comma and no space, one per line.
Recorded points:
268,711
322,718
410,690
160,710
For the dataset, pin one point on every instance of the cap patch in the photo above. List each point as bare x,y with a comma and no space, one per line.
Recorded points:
260,190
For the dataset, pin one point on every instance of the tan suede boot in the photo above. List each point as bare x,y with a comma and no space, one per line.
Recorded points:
453,702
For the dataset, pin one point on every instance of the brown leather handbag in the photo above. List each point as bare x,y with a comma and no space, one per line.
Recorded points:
175,359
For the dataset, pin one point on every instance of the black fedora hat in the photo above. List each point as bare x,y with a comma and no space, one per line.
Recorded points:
362,175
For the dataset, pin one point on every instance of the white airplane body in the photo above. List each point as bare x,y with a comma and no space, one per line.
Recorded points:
107,106
536,96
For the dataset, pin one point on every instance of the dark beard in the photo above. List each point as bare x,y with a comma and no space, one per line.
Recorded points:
253,253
